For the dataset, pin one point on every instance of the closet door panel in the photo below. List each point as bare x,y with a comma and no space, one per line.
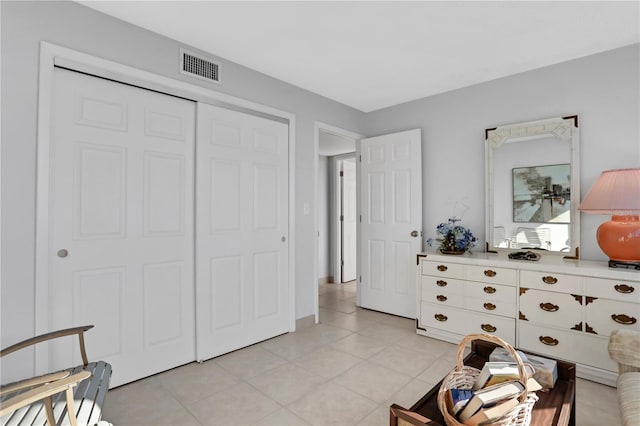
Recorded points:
241,230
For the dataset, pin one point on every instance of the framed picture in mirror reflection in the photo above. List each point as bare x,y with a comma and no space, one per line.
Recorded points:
542,194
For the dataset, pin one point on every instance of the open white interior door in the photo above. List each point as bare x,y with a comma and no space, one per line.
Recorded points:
390,178
242,264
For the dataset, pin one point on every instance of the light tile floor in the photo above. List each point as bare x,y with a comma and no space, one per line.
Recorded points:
346,370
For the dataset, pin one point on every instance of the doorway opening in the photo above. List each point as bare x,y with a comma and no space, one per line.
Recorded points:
336,209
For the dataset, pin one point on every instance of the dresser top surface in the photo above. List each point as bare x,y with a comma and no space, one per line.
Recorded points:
551,263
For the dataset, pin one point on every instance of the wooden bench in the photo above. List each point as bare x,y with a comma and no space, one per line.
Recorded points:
48,399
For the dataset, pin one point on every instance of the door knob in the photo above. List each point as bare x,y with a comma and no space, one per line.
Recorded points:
414,233
63,253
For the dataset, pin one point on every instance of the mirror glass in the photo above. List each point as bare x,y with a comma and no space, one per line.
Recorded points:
530,187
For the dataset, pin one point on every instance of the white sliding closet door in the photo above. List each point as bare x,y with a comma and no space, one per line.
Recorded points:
241,233
121,225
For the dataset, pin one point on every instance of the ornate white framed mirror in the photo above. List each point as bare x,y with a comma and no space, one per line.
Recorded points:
533,187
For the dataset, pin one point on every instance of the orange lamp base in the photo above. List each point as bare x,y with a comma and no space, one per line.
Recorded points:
619,238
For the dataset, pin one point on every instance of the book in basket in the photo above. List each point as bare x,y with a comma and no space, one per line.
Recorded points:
546,368
490,396
489,414
497,372
457,399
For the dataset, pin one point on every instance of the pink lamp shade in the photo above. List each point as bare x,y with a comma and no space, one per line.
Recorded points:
617,193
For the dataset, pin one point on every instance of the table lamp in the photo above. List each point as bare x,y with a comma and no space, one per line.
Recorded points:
617,193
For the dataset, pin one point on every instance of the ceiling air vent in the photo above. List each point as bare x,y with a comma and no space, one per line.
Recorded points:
199,67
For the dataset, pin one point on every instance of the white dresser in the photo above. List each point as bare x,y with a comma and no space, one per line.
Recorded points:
562,308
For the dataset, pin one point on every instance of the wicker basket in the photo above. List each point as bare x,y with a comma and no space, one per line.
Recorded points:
464,377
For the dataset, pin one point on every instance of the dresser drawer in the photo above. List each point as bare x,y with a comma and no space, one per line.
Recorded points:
463,322
569,345
551,282
546,307
443,269
443,297
626,291
490,274
494,307
431,284
603,316
491,292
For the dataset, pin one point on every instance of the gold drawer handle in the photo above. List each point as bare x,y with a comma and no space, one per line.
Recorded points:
441,298
489,306
549,279
549,341
488,328
489,290
441,283
624,288
490,273
623,319
442,268
440,317
549,307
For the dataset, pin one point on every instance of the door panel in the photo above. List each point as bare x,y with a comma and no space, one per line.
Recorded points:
226,300
265,194
401,251
106,285
242,223
391,204
162,307
164,197
99,188
121,203
266,278
225,190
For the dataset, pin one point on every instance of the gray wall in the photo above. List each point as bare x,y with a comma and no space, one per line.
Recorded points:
24,25
603,89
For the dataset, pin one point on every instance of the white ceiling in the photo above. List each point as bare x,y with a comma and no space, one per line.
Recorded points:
371,55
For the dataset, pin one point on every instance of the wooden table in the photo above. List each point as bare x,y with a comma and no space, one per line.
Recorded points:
556,406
